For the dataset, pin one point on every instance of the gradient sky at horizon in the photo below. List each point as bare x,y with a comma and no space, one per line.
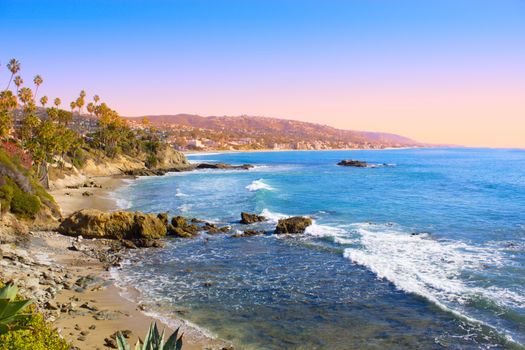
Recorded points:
448,71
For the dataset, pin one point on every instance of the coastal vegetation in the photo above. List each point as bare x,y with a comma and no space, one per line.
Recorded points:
22,327
152,341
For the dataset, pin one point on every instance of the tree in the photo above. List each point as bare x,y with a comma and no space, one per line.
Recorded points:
25,95
90,108
18,82
96,98
57,102
81,100
8,102
14,67
38,81
73,105
43,101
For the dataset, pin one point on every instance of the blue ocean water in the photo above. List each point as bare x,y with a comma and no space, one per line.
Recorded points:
425,250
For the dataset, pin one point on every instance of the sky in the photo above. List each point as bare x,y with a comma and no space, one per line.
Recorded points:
446,72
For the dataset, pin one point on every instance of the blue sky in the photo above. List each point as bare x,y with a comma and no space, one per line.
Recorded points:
420,68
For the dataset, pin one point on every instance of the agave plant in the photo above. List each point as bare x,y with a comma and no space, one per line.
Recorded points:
10,309
153,341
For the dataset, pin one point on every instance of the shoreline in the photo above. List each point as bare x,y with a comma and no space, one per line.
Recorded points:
77,327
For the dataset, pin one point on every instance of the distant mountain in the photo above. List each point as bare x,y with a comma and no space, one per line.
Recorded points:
282,130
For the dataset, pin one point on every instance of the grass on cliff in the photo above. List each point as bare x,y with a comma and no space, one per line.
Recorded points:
23,204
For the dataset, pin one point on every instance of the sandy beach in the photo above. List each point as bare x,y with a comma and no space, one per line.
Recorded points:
80,326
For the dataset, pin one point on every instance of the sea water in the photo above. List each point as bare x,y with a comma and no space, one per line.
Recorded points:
424,249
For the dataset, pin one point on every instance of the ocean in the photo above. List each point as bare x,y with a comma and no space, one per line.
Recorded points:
424,250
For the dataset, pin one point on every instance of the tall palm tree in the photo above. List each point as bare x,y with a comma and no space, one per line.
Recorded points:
96,98
18,82
81,100
43,101
57,102
14,67
38,81
73,105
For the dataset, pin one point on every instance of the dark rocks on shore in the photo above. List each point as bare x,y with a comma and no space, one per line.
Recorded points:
223,166
248,218
353,163
295,224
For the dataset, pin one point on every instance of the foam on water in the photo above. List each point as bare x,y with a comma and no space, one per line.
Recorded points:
257,185
178,193
427,267
271,216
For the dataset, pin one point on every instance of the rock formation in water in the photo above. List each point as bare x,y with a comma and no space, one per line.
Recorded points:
295,224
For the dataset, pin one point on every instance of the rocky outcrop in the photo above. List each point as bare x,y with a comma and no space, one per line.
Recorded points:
92,223
353,163
180,227
224,166
168,158
248,218
295,224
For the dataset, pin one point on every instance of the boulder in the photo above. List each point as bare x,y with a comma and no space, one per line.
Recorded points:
92,223
247,218
354,163
295,224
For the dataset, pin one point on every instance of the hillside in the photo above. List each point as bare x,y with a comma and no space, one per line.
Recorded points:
279,133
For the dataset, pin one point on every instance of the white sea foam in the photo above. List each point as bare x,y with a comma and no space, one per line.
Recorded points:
271,216
178,193
184,208
257,185
427,267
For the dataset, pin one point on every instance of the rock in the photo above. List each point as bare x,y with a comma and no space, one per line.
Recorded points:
354,163
224,166
92,223
89,306
179,227
87,194
111,343
51,305
105,315
128,244
247,218
179,221
163,217
248,233
295,224
148,243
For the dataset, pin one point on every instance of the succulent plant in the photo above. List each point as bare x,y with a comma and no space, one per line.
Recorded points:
10,309
153,341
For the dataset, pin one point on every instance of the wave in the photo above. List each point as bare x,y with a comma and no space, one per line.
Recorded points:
272,217
184,208
433,269
178,193
257,185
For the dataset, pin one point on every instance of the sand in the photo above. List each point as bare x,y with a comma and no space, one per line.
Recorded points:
110,298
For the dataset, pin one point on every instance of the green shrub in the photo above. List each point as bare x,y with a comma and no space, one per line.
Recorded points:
34,334
151,161
24,205
11,310
6,196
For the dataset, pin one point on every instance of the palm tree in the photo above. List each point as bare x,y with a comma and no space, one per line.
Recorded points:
14,67
90,108
38,81
57,102
18,82
43,101
73,105
81,101
96,98
25,95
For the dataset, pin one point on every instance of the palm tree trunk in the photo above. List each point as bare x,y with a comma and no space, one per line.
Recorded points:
11,79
